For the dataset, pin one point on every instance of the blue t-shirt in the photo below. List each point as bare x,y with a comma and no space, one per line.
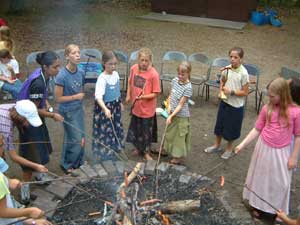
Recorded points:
72,84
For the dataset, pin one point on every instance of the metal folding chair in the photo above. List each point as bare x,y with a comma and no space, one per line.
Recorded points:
122,66
199,59
165,74
91,64
254,73
217,63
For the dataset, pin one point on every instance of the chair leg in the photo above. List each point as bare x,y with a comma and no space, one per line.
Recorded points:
162,86
259,102
202,94
198,90
256,99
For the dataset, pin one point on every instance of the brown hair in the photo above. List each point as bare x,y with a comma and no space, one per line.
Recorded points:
280,87
107,55
4,53
17,119
187,67
239,50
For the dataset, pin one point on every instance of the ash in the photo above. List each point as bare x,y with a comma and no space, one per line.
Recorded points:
210,212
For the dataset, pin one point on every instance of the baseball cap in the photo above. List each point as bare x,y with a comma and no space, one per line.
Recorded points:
27,109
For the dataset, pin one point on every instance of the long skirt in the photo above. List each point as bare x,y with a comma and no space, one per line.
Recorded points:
72,155
36,152
142,132
107,132
269,177
178,137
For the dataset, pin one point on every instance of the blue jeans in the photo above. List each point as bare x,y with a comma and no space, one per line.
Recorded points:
73,152
13,89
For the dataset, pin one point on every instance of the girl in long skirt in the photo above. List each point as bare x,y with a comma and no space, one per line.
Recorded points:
107,125
178,135
270,170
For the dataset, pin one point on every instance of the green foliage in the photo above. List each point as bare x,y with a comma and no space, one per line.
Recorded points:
281,3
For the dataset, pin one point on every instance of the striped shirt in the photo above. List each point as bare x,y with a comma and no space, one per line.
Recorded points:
6,126
179,91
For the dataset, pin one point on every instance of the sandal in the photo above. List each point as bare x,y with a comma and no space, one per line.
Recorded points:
156,152
176,162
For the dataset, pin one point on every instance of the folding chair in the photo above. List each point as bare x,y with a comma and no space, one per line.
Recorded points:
286,73
90,63
165,74
254,73
61,55
122,66
31,63
199,59
217,63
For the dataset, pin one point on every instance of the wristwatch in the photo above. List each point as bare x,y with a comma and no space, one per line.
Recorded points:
50,109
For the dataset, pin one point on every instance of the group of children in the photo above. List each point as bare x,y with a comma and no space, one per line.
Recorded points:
270,170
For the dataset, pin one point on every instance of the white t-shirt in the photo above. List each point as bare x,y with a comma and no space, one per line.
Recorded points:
104,79
236,79
5,72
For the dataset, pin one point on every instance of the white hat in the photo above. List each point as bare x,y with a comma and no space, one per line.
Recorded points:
28,109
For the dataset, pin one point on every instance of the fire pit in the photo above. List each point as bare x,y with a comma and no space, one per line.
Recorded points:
166,196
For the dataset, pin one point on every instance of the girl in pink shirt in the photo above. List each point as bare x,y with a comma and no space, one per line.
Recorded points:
270,171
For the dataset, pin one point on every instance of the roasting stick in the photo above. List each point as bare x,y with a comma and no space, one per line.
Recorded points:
249,189
50,180
158,160
50,210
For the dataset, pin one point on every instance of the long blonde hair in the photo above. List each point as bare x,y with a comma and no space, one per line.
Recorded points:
280,87
5,40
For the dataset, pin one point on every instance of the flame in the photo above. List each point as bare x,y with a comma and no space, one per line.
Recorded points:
165,218
222,181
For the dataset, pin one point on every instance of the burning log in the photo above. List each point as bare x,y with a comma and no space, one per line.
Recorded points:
132,175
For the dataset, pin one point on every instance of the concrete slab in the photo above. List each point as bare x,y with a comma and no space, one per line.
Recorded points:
59,189
120,166
194,20
88,170
83,178
163,167
100,170
110,167
45,204
150,167
40,193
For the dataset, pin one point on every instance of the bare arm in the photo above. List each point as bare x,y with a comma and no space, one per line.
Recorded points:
177,109
254,133
243,92
24,162
104,108
60,98
15,213
149,96
44,113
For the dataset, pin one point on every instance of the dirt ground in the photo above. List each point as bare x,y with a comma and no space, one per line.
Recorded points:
115,26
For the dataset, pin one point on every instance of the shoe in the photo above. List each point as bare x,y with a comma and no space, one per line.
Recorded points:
226,155
212,149
43,177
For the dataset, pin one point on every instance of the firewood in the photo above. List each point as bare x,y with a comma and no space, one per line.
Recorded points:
132,175
179,206
94,214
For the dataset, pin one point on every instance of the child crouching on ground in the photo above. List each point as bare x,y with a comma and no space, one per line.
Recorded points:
178,136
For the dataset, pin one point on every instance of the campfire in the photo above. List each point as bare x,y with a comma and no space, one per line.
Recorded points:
135,200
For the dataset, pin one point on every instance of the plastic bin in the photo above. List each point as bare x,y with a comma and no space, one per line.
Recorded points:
258,18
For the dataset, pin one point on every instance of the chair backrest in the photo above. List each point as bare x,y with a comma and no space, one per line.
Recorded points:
133,58
200,64
31,63
217,63
253,72
199,57
122,66
31,58
287,73
169,58
92,54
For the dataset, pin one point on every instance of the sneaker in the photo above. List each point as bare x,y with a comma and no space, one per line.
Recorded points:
212,149
226,154
43,177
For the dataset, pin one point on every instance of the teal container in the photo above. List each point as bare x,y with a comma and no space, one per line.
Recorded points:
258,18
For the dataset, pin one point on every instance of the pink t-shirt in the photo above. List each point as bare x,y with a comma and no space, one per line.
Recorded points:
144,108
275,133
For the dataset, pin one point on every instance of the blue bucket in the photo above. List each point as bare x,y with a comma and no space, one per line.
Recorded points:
275,22
258,18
